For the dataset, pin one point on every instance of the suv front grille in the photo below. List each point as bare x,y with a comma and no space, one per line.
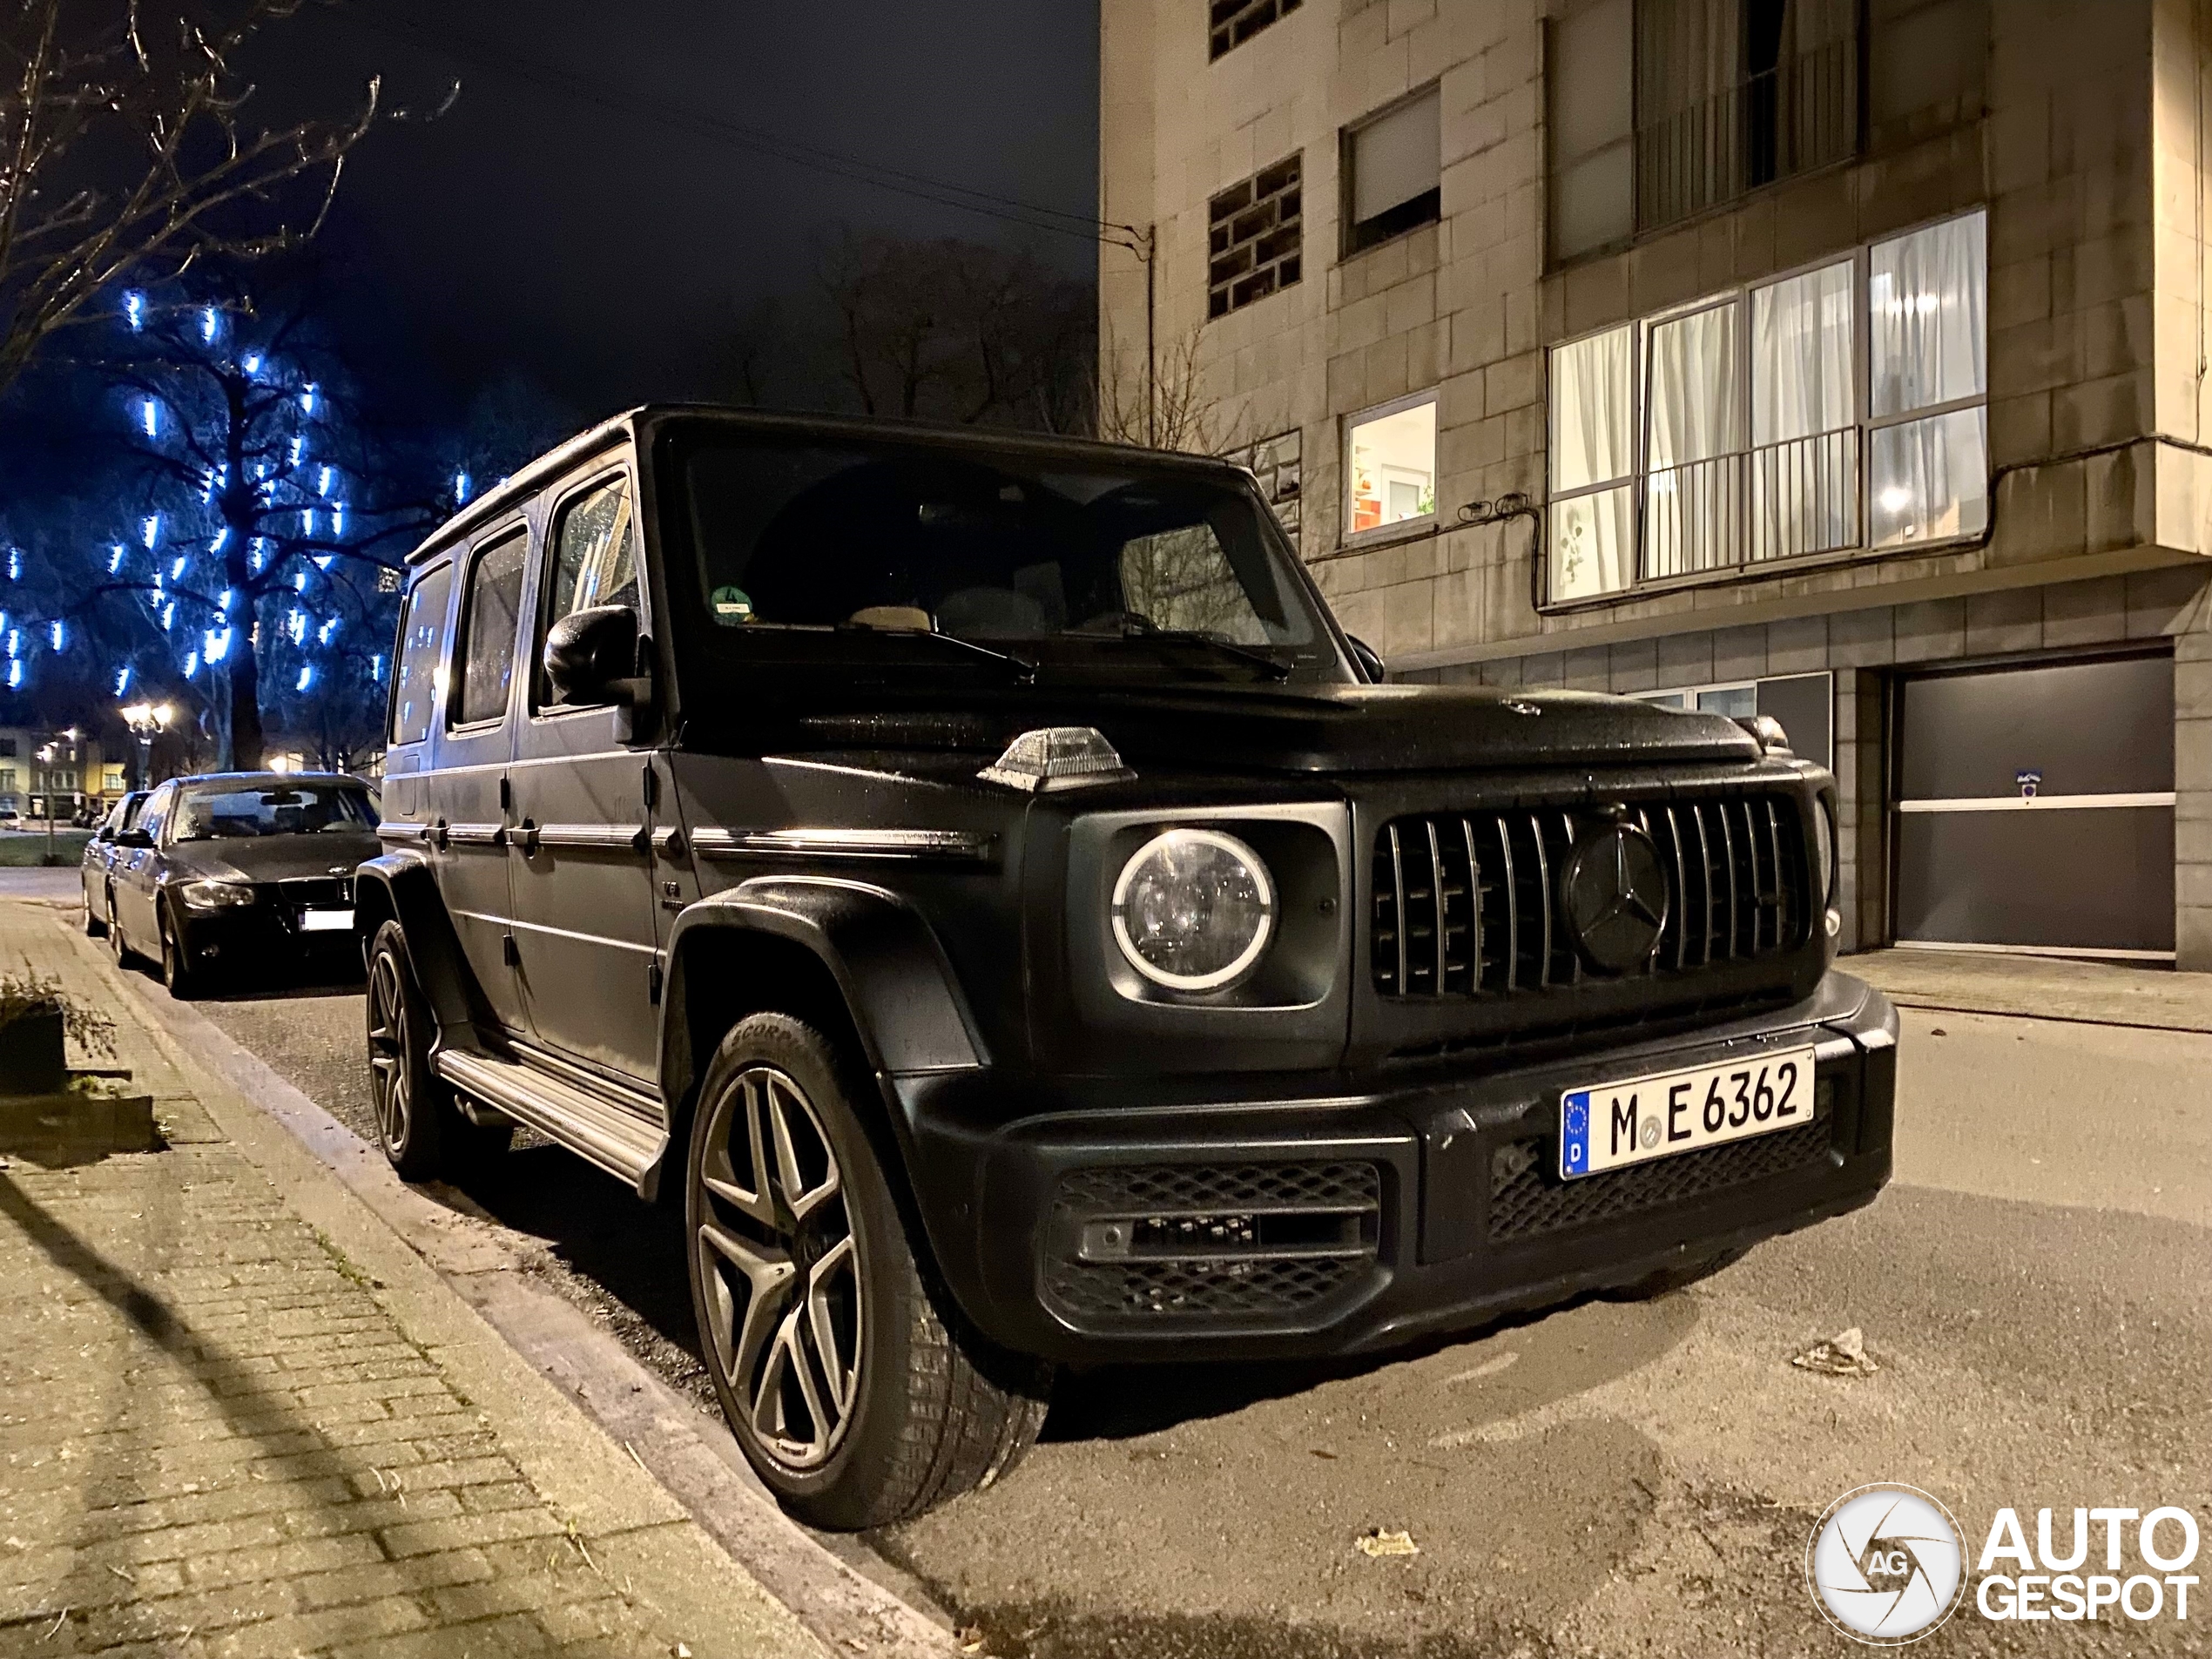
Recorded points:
1144,1245
1467,903
1527,1198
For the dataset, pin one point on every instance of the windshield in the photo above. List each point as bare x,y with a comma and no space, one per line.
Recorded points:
850,551
234,812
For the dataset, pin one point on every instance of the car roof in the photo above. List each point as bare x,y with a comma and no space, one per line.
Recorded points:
528,480
258,779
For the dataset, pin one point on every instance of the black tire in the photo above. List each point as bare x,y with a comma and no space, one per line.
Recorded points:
418,1124
1668,1280
95,923
931,1410
117,943
185,982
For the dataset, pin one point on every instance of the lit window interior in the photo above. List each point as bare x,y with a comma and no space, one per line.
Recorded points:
1393,468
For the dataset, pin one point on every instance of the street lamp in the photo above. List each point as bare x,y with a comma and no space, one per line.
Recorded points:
147,721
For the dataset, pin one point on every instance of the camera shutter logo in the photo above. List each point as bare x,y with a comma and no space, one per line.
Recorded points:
1886,1565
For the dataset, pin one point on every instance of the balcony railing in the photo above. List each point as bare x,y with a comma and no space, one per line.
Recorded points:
1778,501
1789,119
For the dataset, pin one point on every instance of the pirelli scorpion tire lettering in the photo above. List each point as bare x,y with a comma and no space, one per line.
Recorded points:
860,1397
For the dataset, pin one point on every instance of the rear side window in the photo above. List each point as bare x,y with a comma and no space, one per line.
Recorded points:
485,657
156,811
415,692
594,560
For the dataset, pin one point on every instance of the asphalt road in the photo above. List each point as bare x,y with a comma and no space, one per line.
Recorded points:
1614,1479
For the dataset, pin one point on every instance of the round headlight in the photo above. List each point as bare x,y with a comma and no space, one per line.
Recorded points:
1193,910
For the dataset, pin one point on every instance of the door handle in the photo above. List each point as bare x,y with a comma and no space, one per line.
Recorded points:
438,832
526,836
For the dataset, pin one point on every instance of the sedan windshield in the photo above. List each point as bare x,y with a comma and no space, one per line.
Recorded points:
235,812
1054,566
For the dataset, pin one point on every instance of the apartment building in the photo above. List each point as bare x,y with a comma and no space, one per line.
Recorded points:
1840,359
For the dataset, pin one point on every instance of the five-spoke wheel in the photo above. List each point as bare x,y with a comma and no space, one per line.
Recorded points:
856,1389
781,1268
389,1073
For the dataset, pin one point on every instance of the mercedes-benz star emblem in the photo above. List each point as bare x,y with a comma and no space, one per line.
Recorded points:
1615,897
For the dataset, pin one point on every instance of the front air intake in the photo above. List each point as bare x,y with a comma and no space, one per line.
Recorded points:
1268,1244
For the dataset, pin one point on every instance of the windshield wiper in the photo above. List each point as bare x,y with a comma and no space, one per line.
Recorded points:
1134,624
1023,668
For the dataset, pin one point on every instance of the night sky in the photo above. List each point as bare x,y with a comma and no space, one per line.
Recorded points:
570,222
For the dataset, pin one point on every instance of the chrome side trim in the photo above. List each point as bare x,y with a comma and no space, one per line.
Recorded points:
622,838
391,831
970,846
476,834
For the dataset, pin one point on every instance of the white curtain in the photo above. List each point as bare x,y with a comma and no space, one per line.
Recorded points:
1930,478
1693,514
1593,411
1690,60
1805,467
1927,298
1592,441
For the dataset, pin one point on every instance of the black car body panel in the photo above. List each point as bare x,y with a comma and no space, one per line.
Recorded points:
795,816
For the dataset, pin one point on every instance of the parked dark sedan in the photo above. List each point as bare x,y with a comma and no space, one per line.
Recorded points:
238,868
99,857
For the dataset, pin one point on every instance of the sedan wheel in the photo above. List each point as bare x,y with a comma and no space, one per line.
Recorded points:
116,942
95,921
781,1271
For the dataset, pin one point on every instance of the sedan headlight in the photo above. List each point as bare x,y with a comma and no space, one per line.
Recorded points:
215,895
1193,910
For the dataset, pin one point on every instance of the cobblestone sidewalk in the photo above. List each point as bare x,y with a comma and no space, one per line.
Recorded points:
225,1431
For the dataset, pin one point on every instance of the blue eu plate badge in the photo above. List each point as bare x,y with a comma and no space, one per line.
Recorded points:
1574,1125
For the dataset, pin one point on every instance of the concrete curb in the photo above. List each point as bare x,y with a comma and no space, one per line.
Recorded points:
691,1458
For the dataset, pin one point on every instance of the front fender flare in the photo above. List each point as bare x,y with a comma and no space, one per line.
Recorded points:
409,892
886,959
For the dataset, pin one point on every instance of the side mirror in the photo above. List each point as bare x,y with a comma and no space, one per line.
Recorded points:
134,838
591,656
1371,663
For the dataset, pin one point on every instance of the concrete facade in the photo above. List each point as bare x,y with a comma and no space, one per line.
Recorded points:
2078,125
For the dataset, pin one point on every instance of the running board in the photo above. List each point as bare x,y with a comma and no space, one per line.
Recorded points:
623,1144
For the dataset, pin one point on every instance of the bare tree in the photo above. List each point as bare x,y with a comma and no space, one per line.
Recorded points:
126,144
955,331
1173,409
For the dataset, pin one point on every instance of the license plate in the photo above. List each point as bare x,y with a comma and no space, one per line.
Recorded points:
326,922
1608,1125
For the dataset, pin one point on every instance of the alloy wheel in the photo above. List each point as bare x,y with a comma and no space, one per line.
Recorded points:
775,1250
387,1052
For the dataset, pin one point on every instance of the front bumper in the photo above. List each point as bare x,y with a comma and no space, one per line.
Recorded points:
248,937
1334,1223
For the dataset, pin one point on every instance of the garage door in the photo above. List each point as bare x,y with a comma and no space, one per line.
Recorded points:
2035,809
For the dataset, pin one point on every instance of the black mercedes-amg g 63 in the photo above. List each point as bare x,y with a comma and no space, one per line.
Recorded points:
975,878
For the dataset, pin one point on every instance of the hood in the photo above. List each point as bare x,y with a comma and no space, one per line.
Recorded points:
271,858
1309,730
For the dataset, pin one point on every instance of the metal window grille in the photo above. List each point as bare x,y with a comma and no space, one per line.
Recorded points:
1255,237
1232,23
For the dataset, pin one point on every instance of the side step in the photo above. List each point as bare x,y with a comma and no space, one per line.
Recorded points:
623,1144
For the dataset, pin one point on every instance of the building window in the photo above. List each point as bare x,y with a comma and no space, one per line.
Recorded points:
1254,235
1804,704
1232,23
1274,463
1593,464
1730,433
1389,465
1390,166
1662,108
1928,383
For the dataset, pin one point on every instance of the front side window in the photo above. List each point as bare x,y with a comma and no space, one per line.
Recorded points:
227,811
421,636
882,557
485,656
594,560
1389,465
1392,168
